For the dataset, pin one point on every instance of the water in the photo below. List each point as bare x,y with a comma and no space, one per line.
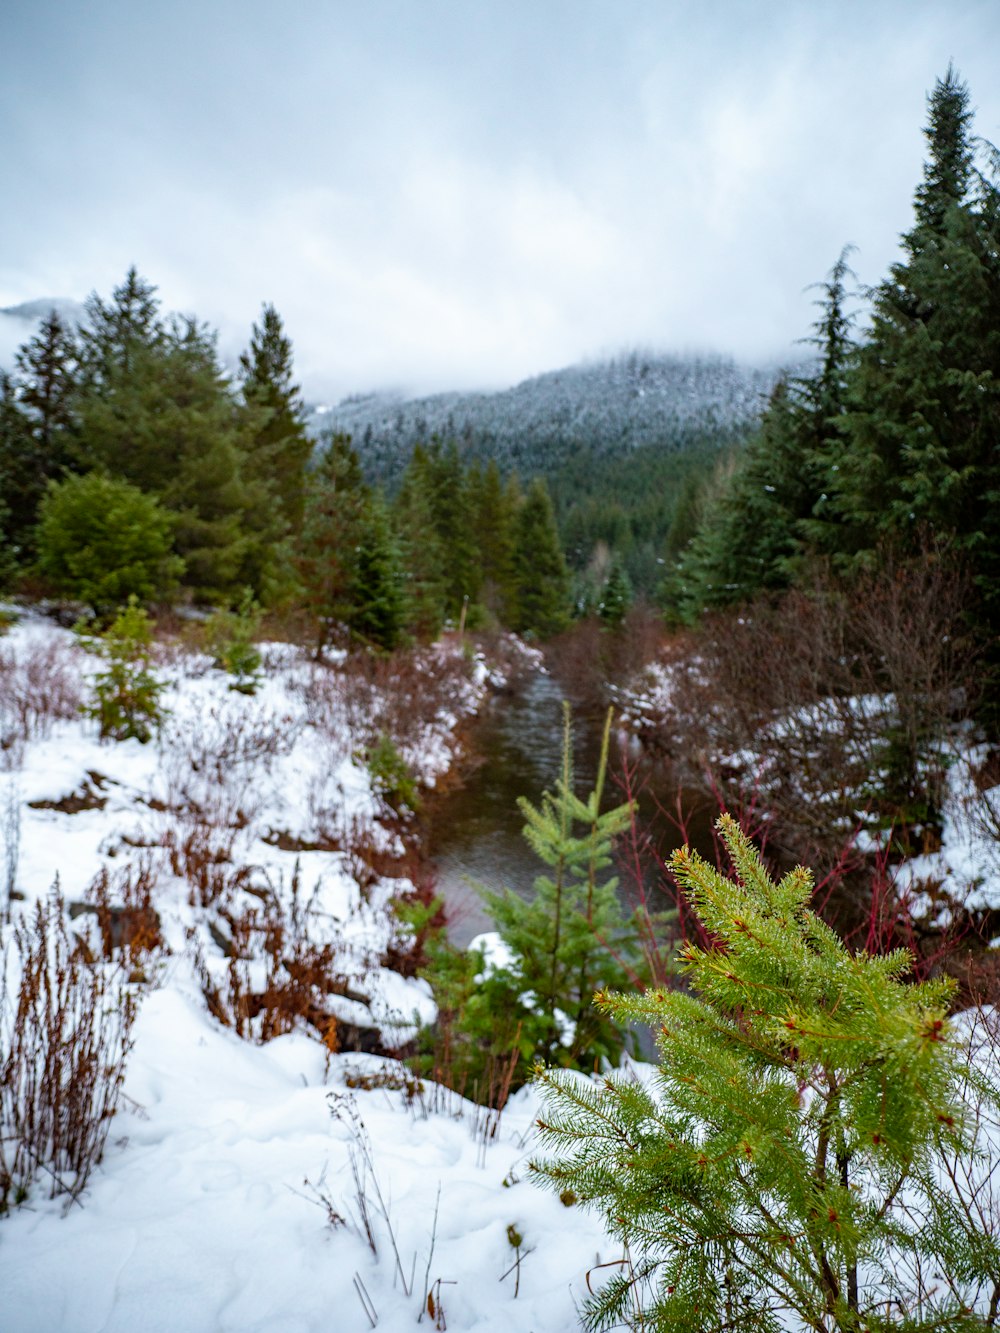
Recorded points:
475,832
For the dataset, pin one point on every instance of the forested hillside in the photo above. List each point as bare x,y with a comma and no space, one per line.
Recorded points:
619,442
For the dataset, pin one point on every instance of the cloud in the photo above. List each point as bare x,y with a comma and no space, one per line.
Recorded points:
453,195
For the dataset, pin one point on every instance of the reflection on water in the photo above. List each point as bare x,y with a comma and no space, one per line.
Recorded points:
476,832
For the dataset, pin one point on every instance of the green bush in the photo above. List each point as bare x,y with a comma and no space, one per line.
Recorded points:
391,776
126,702
104,540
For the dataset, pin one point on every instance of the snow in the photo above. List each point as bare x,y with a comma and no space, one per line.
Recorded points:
200,1218
206,1213
237,1178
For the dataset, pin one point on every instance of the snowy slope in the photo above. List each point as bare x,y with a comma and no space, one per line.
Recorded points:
199,1218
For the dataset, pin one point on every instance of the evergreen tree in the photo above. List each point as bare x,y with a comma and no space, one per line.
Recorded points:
19,480
221,536
571,937
278,448
541,580
758,528
155,409
453,523
617,595
327,552
494,507
44,388
103,540
377,611
924,402
421,551
784,1167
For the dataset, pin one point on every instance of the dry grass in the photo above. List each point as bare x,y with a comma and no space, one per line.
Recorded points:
65,1035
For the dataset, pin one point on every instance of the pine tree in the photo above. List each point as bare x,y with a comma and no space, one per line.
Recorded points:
421,551
571,937
222,539
453,523
924,402
102,540
759,527
278,448
541,580
617,595
19,480
46,391
327,550
493,509
783,1168
377,610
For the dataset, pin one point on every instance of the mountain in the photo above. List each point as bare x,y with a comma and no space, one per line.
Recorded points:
606,408
73,312
622,443
18,322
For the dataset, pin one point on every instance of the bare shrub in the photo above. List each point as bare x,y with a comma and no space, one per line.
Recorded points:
39,685
128,924
10,833
830,701
398,696
286,962
214,758
592,660
65,1035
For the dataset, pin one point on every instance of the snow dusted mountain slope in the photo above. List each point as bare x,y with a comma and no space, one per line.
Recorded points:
608,407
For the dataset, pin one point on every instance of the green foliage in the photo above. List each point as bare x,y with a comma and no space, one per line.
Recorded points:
327,551
782,1169
391,776
571,938
377,610
230,638
277,447
541,593
126,701
102,540
617,595
532,999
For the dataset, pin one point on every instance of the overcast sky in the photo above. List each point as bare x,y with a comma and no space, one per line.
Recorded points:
461,193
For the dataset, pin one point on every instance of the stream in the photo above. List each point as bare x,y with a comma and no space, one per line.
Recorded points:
475,830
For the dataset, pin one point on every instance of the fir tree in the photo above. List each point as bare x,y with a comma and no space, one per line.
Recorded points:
421,551
541,580
617,595
103,540
327,550
494,507
19,478
453,523
571,938
46,391
782,1168
924,406
377,609
278,448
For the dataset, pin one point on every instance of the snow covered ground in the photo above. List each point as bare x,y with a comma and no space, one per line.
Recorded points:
239,1181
